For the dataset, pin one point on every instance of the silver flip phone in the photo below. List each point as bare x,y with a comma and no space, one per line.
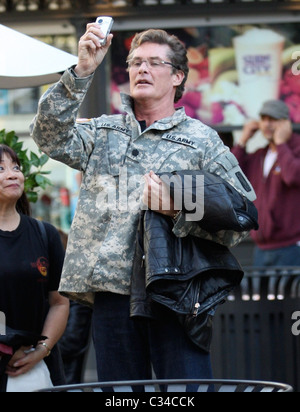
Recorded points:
106,24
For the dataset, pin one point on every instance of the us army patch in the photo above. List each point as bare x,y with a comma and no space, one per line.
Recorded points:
180,140
116,127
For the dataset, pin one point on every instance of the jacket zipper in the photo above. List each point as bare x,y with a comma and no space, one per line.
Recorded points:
197,305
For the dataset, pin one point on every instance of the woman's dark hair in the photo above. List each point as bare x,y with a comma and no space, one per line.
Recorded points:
23,205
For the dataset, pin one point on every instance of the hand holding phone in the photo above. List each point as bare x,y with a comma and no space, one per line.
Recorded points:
93,46
106,24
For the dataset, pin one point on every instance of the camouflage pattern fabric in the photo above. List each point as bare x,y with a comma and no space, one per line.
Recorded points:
114,154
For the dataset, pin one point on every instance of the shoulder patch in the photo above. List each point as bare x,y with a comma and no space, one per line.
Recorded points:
83,120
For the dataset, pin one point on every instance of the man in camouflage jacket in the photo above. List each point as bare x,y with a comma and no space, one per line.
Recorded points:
115,152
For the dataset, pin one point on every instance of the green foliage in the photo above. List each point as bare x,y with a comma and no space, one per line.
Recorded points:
31,165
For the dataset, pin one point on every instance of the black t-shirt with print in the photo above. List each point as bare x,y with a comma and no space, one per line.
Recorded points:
28,272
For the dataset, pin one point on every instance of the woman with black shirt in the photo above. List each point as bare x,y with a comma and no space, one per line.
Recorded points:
30,270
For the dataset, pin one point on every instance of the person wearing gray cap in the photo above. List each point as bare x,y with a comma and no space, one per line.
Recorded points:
275,175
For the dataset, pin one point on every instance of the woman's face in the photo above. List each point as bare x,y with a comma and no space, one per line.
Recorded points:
11,181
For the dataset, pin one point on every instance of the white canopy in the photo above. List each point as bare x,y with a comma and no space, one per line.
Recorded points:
27,62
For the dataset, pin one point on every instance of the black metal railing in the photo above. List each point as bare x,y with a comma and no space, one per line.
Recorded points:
257,332
177,386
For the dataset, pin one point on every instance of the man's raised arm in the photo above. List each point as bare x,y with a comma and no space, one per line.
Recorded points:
54,127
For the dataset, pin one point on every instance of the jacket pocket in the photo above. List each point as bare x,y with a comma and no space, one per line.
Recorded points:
117,145
114,153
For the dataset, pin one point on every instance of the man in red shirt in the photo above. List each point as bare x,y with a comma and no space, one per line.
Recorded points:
275,175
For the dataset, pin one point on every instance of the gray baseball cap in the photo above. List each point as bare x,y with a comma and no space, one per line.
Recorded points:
276,109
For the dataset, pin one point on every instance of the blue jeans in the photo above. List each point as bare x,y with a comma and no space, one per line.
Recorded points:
288,256
126,349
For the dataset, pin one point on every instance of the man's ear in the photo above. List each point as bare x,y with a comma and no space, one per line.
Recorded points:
178,78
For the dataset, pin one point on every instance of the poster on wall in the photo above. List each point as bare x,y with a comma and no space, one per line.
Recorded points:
233,71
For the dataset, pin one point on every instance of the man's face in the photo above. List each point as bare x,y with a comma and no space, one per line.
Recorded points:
268,126
154,83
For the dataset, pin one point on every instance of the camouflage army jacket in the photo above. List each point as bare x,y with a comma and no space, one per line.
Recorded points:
114,154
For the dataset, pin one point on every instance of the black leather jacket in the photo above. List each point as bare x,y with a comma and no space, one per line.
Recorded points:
191,276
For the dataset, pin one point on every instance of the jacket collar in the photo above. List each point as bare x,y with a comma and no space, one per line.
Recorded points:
163,124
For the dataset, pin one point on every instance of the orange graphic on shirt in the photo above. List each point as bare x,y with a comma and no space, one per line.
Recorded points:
42,265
